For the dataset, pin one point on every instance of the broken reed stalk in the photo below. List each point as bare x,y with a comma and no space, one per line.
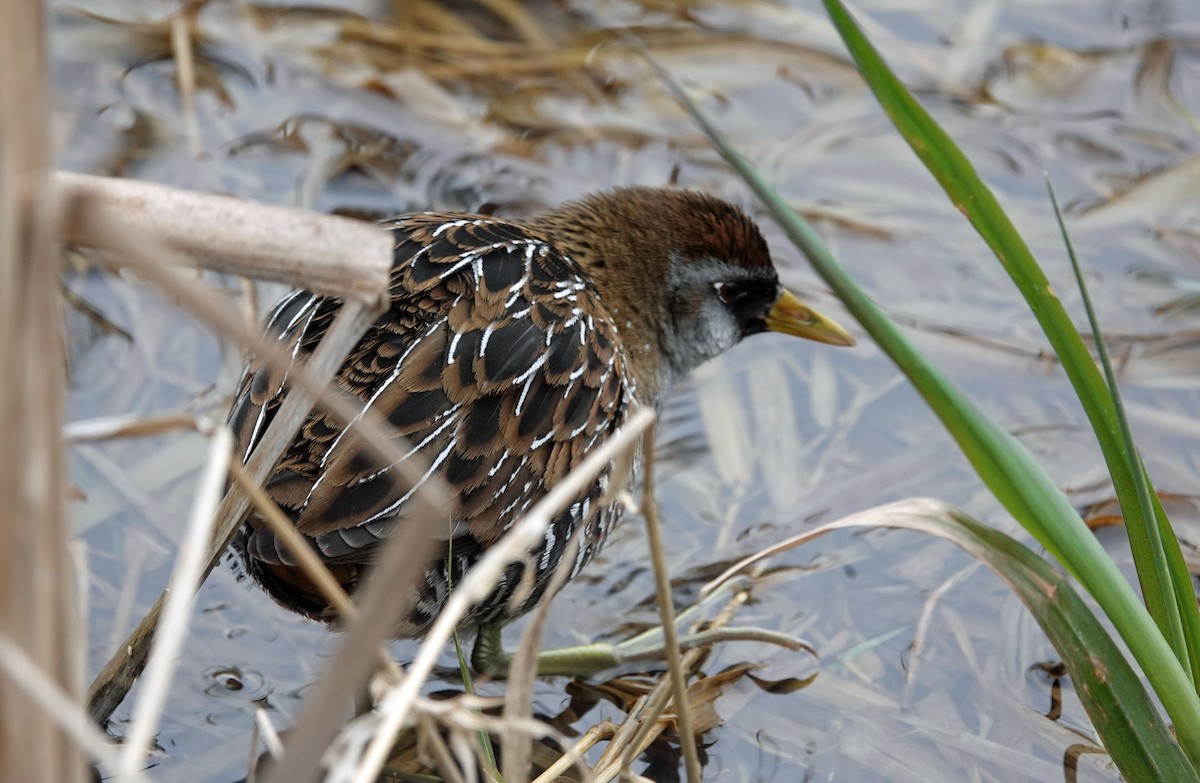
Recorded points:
37,582
322,253
481,578
114,681
596,734
402,560
159,266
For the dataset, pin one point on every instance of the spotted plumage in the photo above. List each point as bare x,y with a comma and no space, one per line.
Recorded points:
509,351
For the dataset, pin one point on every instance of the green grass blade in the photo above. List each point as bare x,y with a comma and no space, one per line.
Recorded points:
487,752
1123,714
1160,568
1004,464
1117,703
974,199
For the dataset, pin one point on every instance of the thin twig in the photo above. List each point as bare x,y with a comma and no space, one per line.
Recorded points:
184,583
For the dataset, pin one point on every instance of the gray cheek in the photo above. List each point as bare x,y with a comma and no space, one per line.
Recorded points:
711,332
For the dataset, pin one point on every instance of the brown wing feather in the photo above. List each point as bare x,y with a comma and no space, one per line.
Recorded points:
496,361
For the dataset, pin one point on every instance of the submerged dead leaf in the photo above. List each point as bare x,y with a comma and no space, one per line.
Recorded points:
1049,69
1148,198
703,695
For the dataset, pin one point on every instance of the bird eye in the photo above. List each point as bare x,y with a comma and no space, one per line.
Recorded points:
729,292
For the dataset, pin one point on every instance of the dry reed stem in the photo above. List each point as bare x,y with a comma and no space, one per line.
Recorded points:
480,580
384,601
108,427
402,559
172,630
322,253
518,698
37,583
117,677
387,597
666,612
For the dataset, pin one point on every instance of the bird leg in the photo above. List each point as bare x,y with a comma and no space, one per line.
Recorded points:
587,660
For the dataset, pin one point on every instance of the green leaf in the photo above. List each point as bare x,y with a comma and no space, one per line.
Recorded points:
1003,463
1169,579
1164,594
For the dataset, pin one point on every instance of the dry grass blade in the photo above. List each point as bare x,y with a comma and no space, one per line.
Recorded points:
189,572
480,580
322,253
306,558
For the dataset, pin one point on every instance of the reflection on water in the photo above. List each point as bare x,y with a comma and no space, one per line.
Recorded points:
352,108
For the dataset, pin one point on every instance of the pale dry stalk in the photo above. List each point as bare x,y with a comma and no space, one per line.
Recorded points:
37,583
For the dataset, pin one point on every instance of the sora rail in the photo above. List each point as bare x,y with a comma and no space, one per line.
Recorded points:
510,349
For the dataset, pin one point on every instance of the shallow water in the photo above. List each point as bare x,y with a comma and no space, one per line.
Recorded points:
772,437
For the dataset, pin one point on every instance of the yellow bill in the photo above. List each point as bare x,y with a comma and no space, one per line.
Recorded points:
791,316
